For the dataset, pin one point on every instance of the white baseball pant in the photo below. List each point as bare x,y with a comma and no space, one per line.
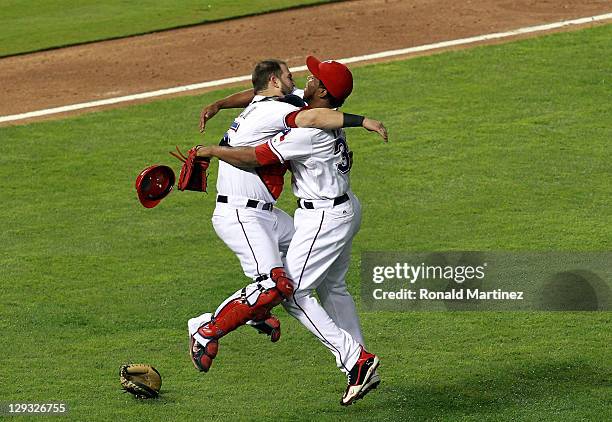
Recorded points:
258,237
318,259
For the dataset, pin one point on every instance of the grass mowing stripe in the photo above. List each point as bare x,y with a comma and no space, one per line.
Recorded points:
39,25
499,147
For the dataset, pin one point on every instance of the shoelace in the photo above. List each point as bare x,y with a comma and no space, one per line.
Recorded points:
352,376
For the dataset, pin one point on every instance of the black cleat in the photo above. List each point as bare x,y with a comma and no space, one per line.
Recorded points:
362,378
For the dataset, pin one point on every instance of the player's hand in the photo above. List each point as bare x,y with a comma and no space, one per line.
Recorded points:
207,113
204,151
376,126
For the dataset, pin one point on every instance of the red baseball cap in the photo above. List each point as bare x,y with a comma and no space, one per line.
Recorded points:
336,77
153,184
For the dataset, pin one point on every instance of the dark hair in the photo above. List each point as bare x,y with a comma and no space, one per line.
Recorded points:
333,101
262,72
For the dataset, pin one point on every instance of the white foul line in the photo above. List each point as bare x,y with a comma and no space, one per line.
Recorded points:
384,54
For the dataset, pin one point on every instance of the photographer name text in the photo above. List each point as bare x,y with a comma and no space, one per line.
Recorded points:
453,294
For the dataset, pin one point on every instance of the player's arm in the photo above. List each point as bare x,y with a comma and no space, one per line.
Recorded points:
325,118
238,100
243,157
280,149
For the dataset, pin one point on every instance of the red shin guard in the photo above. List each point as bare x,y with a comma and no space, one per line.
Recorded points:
238,311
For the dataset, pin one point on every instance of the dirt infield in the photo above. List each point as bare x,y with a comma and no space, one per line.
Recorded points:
208,52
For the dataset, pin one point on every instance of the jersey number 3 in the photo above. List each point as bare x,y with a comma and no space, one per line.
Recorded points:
341,147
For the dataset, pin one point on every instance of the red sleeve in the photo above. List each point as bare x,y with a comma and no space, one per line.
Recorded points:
265,156
290,118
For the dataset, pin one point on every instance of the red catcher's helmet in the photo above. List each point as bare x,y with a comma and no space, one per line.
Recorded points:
153,184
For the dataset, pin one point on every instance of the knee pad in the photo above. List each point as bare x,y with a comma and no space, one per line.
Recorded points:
284,284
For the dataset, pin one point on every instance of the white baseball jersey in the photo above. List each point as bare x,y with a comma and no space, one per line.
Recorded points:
259,121
320,161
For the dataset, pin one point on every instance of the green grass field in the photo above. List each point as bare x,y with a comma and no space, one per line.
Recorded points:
496,148
34,25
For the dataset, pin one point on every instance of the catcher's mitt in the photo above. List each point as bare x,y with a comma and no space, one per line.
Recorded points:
193,173
143,381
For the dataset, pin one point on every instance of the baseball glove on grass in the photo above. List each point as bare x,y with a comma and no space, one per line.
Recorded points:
193,173
143,381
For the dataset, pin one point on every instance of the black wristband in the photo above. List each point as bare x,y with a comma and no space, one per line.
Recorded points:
352,120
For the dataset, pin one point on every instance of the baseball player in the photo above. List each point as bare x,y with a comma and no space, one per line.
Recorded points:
327,219
246,219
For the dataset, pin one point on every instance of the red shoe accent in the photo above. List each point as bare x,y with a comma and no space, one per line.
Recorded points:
204,362
212,348
202,357
363,357
276,333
